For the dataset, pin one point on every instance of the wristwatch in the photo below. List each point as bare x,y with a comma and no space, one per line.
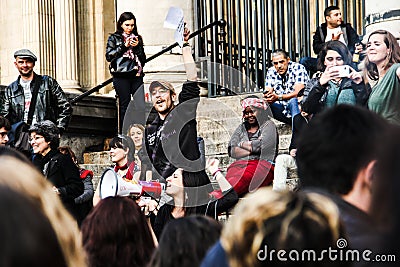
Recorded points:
280,97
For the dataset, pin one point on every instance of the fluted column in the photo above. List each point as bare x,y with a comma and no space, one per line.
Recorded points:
29,37
46,37
66,46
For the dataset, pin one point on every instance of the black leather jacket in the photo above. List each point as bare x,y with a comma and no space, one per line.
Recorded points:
51,104
116,48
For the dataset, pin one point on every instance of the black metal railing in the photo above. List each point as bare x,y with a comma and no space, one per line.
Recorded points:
221,23
257,27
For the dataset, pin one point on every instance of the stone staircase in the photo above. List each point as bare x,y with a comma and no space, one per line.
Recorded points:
217,117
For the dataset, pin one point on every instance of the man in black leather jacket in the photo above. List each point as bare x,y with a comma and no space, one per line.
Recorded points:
51,104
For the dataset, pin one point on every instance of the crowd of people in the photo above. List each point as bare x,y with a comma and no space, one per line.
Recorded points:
345,123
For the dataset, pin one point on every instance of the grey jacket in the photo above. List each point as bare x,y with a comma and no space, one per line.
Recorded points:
52,103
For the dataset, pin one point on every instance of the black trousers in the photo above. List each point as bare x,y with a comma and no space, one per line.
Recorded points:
131,101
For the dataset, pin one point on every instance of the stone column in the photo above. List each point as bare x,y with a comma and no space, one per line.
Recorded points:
46,37
66,46
28,37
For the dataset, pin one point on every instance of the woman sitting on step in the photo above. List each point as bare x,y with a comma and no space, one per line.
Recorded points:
254,145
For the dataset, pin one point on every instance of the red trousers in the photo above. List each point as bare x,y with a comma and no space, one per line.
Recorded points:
248,175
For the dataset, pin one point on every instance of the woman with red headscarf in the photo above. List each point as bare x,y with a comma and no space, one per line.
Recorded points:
254,146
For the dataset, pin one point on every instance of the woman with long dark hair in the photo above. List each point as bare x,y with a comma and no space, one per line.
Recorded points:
126,54
328,87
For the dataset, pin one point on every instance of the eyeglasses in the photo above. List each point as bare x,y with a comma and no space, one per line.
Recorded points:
161,91
37,137
3,134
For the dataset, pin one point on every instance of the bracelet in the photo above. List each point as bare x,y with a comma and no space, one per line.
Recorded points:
216,172
185,44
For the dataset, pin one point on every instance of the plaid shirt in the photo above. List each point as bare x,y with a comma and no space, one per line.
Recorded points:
296,73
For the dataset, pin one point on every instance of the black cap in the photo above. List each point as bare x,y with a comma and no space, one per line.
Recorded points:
25,53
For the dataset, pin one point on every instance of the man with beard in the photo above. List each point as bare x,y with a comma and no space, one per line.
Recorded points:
284,80
171,139
334,28
51,103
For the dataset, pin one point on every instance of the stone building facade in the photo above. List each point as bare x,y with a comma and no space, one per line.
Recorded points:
69,37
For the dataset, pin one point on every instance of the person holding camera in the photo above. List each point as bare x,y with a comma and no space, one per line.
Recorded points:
126,55
336,82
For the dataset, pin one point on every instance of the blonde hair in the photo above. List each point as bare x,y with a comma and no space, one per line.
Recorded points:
274,215
24,178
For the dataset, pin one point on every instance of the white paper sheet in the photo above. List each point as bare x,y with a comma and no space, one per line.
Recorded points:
174,20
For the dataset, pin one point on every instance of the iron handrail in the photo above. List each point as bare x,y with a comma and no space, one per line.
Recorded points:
220,23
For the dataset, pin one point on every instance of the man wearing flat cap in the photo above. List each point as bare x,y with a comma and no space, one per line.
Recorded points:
51,103
171,139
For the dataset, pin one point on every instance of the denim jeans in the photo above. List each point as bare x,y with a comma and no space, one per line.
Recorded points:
310,63
279,109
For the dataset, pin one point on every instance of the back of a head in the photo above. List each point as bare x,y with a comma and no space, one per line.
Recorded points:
116,233
385,208
336,145
24,178
270,221
185,241
27,237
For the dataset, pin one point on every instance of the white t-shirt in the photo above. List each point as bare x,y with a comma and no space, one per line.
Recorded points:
334,31
26,85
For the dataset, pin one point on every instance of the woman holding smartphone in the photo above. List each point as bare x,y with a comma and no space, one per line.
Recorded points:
336,82
126,54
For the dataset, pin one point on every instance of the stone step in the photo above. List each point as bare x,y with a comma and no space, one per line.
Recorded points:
102,157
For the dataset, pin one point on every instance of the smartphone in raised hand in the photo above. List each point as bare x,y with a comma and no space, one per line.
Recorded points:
344,70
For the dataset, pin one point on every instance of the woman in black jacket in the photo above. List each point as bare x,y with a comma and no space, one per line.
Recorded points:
126,55
58,168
